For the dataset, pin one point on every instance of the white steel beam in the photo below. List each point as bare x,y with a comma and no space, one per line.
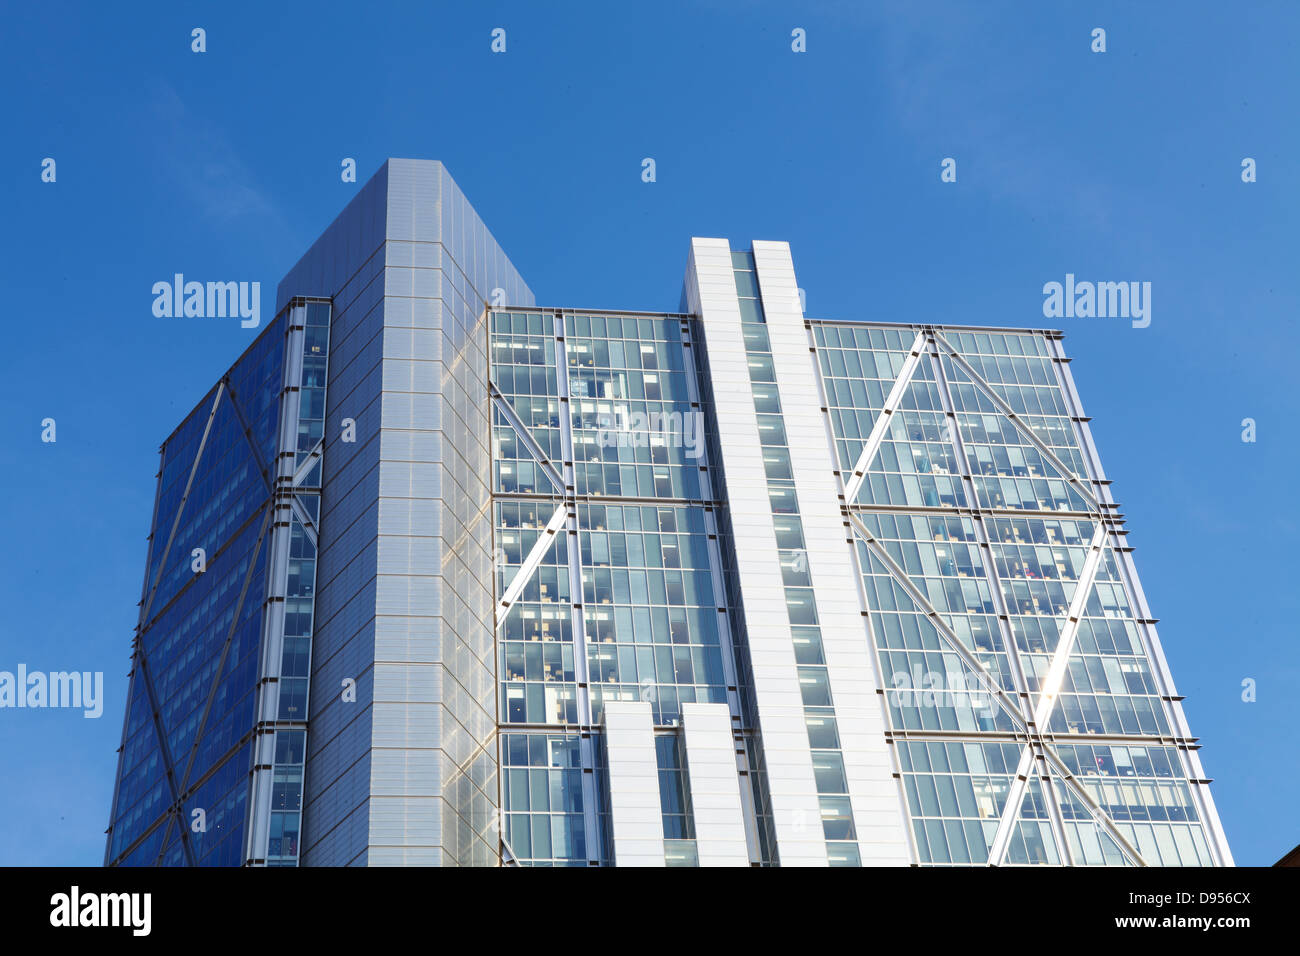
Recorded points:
1049,690
881,427
987,390
313,456
1101,816
531,561
933,616
1191,761
525,437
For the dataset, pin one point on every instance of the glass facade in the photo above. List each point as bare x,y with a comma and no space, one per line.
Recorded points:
544,806
181,789
1006,650
675,802
603,549
197,710
432,580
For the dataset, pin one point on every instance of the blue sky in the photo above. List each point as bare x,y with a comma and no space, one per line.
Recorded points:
1117,166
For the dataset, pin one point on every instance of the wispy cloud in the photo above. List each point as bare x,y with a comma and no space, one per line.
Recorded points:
197,154
989,118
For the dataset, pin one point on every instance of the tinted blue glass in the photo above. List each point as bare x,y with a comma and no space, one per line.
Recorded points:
198,645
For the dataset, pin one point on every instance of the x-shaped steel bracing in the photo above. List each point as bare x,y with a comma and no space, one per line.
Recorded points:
179,790
1032,724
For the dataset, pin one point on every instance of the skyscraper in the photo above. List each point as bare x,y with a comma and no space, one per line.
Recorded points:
437,576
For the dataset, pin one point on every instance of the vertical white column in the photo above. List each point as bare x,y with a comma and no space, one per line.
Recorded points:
796,814
277,583
715,785
873,793
635,812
